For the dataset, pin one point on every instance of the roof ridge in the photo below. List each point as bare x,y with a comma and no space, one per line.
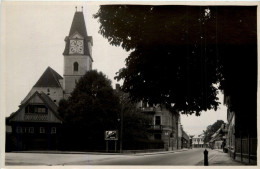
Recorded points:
55,77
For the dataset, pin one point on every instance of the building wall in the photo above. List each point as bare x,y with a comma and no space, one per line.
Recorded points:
71,76
218,144
171,128
231,133
185,140
26,139
197,142
168,123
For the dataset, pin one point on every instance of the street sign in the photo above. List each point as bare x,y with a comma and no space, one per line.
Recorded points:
111,135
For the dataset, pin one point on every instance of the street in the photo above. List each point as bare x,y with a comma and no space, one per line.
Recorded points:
189,157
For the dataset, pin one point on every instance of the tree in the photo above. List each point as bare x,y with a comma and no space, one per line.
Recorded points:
211,129
179,53
135,123
91,109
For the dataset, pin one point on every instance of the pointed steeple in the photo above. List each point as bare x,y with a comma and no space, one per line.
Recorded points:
78,24
78,30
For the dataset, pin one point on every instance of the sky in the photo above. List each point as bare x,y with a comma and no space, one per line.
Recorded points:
33,39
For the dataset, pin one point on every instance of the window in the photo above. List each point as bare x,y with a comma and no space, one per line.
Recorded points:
144,104
31,130
29,109
76,66
41,110
35,109
19,130
53,130
24,130
42,130
157,120
157,136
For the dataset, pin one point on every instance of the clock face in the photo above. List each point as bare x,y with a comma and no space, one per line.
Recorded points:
76,47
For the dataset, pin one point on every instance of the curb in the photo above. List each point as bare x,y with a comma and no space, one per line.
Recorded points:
49,152
162,152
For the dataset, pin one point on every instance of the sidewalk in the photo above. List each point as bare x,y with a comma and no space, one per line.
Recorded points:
221,159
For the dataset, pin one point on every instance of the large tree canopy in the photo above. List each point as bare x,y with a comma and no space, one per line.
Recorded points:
92,108
92,101
135,123
179,53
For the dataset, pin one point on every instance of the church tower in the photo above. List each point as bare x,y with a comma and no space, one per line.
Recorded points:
77,54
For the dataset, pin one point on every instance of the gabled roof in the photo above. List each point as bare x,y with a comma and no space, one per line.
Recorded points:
50,78
47,101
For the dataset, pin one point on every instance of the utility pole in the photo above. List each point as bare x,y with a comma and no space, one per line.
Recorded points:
177,131
121,129
121,98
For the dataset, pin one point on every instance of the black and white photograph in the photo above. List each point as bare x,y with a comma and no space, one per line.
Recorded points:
129,84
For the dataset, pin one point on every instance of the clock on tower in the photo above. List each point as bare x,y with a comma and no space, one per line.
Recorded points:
76,47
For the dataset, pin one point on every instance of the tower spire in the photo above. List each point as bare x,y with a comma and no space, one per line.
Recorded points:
76,8
82,8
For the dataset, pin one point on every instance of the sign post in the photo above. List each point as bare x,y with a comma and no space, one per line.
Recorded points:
115,145
106,146
109,136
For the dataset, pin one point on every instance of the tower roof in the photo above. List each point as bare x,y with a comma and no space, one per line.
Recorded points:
50,78
78,25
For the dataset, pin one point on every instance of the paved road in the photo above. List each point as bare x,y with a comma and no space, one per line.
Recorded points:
189,157
185,158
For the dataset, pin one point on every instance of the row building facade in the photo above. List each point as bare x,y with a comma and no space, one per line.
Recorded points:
166,125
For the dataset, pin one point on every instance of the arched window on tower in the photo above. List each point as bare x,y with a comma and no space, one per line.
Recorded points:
76,66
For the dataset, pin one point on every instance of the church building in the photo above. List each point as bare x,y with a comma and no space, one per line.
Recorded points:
36,124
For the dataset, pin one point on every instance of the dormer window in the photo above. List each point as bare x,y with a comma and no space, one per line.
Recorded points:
75,66
35,109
